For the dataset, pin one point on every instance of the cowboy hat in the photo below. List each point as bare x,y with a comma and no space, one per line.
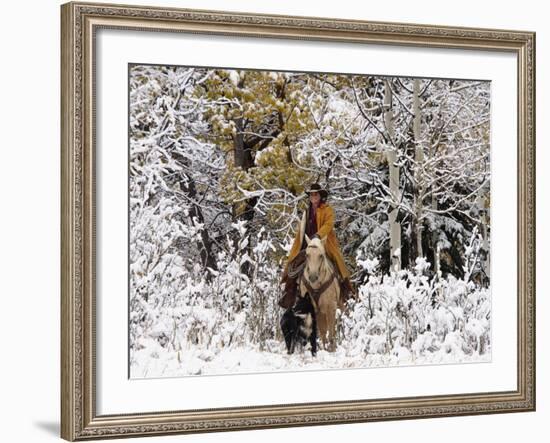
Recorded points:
316,187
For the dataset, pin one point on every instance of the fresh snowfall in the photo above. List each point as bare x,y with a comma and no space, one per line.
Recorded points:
219,160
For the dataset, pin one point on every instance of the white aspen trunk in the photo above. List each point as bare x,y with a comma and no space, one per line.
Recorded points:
435,243
485,232
395,226
419,158
437,255
486,247
437,264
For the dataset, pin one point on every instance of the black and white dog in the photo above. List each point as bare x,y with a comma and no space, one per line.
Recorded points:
299,325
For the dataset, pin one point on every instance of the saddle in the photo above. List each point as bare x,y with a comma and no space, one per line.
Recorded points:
296,266
292,279
294,272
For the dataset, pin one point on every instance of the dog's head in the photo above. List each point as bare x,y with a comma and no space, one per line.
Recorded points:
303,306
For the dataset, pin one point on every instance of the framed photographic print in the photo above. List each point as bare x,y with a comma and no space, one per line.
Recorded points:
279,221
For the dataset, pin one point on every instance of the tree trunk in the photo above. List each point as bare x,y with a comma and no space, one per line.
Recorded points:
435,242
486,258
205,245
419,159
243,152
244,160
395,226
187,185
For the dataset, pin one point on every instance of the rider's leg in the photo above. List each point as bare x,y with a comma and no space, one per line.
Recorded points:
289,297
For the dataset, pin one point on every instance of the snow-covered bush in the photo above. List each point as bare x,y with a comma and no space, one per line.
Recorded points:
411,317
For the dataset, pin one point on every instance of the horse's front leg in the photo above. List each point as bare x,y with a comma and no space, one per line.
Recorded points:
322,327
302,290
332,333
331,327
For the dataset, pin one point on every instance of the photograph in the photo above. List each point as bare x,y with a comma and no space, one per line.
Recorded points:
305,221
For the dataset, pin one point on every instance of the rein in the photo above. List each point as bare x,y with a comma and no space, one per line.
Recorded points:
315,294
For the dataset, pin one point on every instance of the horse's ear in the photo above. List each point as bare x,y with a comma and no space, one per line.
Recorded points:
308,240
324,240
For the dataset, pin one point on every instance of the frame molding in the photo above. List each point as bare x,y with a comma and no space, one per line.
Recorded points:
79,21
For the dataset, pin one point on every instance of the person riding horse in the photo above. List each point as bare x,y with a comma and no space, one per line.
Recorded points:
317,221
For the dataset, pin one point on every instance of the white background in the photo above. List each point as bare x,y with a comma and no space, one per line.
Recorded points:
29,183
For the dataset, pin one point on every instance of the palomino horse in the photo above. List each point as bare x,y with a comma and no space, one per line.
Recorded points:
319,279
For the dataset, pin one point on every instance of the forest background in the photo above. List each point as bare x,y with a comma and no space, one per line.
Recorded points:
219,160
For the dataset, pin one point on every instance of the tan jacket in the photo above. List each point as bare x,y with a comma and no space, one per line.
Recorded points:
325,227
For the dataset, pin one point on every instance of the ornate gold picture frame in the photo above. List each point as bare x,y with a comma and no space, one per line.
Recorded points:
80,23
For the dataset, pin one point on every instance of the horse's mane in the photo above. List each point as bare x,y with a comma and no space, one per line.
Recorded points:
327,263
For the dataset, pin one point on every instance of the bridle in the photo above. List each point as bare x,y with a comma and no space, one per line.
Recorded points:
315,293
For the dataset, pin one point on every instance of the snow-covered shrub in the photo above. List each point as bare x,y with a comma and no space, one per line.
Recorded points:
410,317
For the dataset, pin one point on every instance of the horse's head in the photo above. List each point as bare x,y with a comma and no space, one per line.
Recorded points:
315,258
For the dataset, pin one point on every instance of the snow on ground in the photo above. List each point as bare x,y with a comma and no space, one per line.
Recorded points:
398,320
160,363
